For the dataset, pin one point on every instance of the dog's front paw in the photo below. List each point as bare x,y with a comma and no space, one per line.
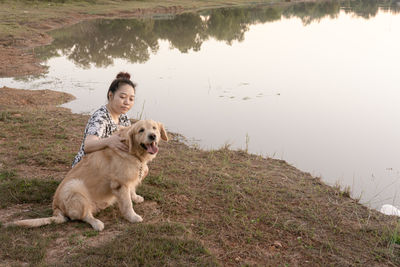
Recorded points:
135,218
98,225
137,199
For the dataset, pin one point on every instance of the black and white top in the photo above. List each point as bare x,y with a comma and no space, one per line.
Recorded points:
100,124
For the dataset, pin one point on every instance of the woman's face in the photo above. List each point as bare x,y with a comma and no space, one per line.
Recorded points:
122,100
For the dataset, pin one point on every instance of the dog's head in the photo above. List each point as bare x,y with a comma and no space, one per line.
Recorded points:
144,137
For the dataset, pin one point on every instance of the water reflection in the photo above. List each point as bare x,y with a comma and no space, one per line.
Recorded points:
100,42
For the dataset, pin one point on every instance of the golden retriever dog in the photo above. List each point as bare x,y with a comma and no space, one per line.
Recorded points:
104,177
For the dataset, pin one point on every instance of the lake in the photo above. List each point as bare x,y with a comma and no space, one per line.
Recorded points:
314,84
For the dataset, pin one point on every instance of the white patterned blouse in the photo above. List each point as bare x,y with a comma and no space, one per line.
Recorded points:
100,124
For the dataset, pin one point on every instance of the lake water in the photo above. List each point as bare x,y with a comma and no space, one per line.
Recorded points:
315,84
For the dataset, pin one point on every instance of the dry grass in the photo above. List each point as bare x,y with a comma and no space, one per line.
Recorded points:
204,208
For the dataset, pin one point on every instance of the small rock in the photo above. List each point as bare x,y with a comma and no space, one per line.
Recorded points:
276,245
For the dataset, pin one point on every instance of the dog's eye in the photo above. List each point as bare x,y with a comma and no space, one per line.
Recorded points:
154,128
141,130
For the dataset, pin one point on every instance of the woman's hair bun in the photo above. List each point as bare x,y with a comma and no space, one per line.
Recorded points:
123,75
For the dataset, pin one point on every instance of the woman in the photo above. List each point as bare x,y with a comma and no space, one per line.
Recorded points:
105,121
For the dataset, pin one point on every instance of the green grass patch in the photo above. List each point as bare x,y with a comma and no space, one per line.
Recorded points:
147,245
14,190
150,193
38,140
160,181
90,233
22,245
7,175
155,186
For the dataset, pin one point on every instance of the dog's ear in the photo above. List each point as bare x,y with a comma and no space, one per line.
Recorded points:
131,138
163,133
133,121
120,127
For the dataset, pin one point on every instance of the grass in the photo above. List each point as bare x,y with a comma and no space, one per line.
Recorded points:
33,126
147,245
203,208
29,246
18,191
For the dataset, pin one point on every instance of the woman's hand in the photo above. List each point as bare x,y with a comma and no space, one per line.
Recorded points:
116,141
94,143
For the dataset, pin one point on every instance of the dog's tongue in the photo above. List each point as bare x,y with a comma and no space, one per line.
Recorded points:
152,148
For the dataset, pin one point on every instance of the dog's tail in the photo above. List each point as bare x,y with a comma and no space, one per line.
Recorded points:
59,218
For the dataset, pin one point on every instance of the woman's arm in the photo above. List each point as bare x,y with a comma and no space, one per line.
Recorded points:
94,143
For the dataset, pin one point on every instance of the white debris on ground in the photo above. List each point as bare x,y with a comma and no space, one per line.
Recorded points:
390,210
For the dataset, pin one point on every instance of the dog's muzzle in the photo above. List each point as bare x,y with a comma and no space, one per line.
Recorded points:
150,148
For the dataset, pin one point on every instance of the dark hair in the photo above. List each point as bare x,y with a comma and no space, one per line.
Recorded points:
121,79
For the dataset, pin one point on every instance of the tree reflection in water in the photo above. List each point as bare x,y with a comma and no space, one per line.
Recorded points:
99,42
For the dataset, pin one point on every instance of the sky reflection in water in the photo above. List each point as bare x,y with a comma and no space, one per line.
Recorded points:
319,91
